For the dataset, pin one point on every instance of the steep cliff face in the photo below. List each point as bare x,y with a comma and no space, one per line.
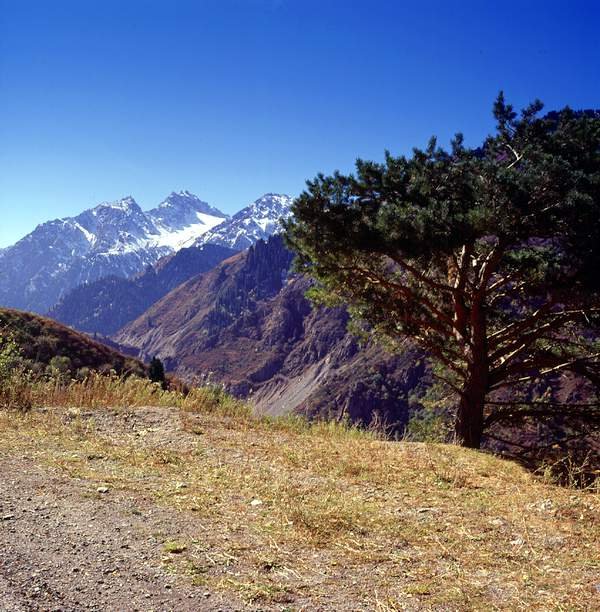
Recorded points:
247,324
193,317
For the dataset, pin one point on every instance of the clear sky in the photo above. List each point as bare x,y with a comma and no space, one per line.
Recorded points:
233,98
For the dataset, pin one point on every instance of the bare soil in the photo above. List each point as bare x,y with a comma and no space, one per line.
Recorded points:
155,509
65,548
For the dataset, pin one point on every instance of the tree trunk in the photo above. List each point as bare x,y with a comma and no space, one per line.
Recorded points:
469,418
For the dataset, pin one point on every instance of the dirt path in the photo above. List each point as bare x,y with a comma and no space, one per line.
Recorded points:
64,548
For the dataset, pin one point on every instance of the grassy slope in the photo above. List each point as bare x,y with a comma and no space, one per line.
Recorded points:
40,339
345,521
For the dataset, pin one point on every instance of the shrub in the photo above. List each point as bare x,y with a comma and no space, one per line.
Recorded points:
16,392
9,357
59,367
430,419
156,373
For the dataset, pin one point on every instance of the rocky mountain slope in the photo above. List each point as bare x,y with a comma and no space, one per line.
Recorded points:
40,339
257,221
109,303
247,323
115,238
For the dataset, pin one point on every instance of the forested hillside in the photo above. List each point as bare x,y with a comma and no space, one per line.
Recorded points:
108,304
40,342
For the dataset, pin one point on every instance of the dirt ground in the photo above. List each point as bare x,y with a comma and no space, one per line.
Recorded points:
66,544
61,550
152,509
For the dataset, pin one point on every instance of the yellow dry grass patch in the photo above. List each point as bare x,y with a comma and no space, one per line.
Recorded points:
306,516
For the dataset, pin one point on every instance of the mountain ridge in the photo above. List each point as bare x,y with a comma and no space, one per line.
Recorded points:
109,303
119,239
247,324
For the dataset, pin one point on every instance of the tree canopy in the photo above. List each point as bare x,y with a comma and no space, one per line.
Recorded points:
156,372
487,258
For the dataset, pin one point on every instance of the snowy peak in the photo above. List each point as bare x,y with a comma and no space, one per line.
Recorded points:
182,218
128,205
257,221
270,204
111,226
112,238
178,207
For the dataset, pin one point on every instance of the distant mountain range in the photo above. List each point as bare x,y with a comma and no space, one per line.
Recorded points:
247,323
109,303
119,239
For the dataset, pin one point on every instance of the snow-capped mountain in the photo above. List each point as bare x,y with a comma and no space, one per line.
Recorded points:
182,217
254,222
115,238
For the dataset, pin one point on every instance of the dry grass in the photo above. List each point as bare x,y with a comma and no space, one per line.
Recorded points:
322,516
112,391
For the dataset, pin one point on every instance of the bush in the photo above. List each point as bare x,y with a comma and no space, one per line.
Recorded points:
430,417
16,390
59,367
156,373
427,425
9,357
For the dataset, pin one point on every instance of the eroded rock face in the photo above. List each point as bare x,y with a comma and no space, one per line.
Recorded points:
248,324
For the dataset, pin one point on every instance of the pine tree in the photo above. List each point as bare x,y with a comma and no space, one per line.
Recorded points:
156,372
487,258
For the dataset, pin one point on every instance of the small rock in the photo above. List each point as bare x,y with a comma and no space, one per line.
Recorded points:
102,489
256,502
207,594
8,517
555,541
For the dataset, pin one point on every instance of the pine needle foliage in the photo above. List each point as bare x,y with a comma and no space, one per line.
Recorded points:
487,258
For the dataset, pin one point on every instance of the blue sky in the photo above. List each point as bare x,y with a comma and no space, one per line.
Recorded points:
233,98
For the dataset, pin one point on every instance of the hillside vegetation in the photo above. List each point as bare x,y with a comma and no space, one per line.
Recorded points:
248,512
109,303
40,340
